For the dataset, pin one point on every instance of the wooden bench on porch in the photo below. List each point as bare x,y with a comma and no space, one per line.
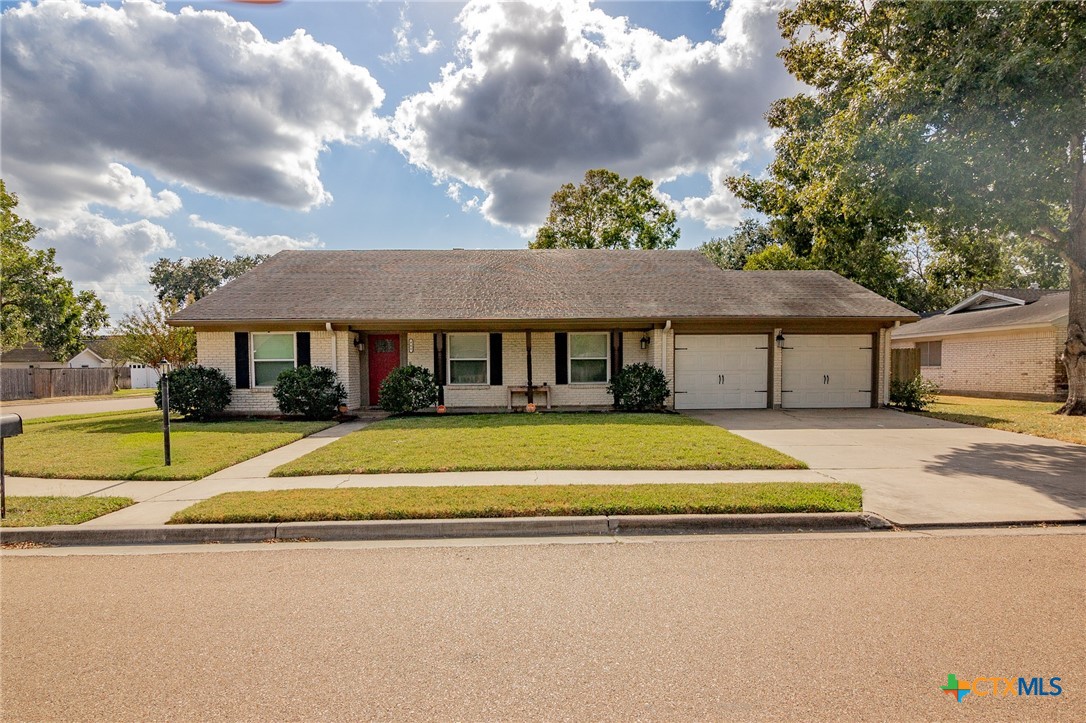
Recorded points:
536,390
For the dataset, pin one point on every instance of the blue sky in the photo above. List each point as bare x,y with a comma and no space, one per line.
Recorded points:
139,130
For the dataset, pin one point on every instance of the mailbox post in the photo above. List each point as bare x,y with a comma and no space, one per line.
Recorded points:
165,367
10,425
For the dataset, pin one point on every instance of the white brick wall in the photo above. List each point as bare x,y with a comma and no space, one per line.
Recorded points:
1020,363
216,349
515,373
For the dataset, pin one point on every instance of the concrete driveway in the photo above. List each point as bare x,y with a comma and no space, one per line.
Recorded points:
915,470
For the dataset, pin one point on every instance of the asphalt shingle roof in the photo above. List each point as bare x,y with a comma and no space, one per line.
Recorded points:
1048,308
525,285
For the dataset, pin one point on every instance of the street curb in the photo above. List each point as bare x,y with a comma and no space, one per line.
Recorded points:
444,528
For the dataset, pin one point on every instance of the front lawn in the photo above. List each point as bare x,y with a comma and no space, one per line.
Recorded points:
128,445
474,442
1034,418
400,503
43,511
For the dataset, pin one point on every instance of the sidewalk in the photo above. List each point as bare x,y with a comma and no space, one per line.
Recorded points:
157,501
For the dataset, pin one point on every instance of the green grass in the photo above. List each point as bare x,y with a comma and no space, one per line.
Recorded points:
537,441
1034,418
128,445
400,503
134,392
43,511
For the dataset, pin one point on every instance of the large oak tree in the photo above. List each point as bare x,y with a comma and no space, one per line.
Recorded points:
968,117
607,211
37,304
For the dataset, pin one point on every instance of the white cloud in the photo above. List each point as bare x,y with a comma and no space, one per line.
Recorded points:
245,243
195,97
107,257
405,45
547,90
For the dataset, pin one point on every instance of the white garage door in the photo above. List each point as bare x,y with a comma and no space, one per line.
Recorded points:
832,370
721,371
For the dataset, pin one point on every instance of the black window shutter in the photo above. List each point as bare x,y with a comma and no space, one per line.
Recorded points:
616,353
561,353
241,359
303,349
439,366
495,359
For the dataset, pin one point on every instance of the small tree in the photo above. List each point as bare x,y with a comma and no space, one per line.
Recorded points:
408,389
312,392
146,338
639,387
196,393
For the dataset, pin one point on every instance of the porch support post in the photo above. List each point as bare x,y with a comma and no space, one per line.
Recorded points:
528,359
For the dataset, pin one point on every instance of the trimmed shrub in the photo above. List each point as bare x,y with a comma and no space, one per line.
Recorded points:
408,389
196,392
312,392
914,395
638,387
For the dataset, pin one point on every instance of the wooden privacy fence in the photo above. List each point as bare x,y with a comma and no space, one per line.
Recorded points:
40,383
904,364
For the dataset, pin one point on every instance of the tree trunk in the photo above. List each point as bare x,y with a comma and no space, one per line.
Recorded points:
1074,350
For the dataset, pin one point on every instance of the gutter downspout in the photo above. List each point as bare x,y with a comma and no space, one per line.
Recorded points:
663,363
335,347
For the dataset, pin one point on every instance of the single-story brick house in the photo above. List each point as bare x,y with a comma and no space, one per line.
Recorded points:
1003,343
491,324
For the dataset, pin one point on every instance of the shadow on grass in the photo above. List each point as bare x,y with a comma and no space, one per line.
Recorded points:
976,420
505,419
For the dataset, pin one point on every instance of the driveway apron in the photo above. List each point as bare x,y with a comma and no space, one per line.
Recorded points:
920,471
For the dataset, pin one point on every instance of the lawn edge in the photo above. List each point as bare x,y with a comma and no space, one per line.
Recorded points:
376,530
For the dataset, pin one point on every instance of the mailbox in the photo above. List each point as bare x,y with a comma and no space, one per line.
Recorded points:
10,425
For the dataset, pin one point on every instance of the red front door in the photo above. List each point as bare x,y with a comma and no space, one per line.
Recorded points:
384,353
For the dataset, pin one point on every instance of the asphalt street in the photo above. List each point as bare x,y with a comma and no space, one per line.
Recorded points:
819,627
40,409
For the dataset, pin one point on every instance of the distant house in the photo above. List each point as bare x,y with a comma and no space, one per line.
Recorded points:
999,342
29,356
93,356
492,324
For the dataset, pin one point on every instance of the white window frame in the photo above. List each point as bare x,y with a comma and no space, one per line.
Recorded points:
449,359
569,355
252,354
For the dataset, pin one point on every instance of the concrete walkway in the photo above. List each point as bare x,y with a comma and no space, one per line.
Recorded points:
916,470
87,406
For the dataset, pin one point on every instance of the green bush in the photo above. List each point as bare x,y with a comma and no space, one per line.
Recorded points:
311,392
196,392
914,395
408,389
637,387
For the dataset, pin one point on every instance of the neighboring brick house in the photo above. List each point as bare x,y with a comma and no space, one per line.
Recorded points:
999,343
490,324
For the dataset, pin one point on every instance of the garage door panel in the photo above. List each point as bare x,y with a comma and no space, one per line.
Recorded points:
720,371
827,371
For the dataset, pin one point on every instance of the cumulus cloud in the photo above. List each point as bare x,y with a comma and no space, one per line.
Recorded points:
106,256
545,91
245,243
195,97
